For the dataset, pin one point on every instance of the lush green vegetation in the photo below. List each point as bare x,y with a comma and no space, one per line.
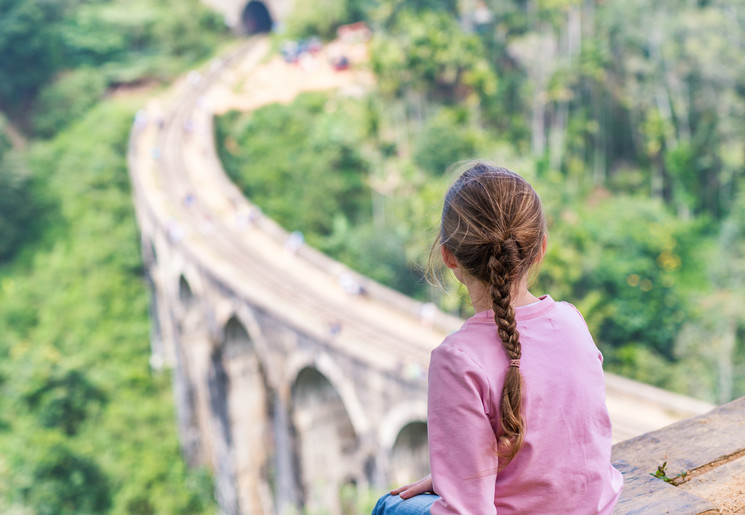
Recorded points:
58,58
85,425
624,117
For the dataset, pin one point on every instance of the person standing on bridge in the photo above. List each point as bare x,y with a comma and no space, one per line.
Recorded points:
517,419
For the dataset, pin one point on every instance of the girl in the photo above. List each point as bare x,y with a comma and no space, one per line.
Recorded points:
517,417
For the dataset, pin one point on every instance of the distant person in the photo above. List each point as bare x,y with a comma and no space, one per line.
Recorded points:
517,418
190,200
140,119
188,126
294,241
175,231
334,327
349,284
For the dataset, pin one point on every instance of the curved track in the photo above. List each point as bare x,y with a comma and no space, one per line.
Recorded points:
253,259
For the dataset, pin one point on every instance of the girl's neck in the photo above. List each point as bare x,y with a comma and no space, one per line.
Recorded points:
481,300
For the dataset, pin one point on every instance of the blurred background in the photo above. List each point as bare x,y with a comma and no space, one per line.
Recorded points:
628,118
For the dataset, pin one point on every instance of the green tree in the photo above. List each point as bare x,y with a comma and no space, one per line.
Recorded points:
61,399
74,345
5,142
628,282
51,478
318,18
18,207
92,428
30,49
310,151
445,138
428,53
377,252
66,99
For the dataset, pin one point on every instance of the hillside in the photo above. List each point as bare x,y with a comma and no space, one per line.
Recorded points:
87,426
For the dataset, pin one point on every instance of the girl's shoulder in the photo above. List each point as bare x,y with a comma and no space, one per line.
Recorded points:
570,311
470,345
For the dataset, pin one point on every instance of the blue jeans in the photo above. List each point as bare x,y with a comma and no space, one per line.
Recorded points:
394,505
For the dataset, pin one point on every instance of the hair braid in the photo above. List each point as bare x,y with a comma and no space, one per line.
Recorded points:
504,255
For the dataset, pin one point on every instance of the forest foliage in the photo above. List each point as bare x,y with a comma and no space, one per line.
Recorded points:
85,425
627,117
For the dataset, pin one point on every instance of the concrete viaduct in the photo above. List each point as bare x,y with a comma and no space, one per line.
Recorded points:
288,386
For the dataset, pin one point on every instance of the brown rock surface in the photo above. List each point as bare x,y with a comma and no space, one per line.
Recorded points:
703,456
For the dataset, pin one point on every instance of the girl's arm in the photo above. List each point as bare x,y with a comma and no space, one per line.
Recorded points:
461,439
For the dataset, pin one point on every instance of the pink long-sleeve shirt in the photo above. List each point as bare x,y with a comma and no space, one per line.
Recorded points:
564,464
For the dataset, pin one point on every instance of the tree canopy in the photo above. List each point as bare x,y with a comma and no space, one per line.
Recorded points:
85,425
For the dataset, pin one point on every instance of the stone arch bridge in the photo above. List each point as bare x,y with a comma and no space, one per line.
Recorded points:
295,378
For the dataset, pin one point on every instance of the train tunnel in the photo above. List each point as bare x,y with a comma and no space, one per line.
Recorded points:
256,18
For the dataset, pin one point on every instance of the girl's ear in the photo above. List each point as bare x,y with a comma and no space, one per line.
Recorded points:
544,246
448,258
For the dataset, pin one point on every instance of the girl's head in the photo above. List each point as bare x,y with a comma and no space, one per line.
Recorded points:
491,212
493,224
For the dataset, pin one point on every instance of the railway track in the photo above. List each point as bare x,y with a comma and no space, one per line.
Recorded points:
213,240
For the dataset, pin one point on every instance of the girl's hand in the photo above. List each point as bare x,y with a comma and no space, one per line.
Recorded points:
412,489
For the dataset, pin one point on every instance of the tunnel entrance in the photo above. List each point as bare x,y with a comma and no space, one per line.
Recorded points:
255,18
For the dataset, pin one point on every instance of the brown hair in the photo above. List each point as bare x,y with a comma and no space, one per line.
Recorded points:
493,223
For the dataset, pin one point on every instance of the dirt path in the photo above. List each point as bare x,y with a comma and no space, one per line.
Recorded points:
277,81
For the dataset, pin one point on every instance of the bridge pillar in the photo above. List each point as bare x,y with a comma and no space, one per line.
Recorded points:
326,441
192,349
248,412
225,484
286,495
189,435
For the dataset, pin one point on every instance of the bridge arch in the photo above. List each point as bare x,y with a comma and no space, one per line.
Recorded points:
247,400
218,387
190,316
402,436
250,321
409,459
399,416
185,295
149,254
155,249
157,352
192,359
256,18
341,383
326,440
186,276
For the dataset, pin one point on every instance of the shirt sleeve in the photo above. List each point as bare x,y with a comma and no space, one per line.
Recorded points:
600,354
461,439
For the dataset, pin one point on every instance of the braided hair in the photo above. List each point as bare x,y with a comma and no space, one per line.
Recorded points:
493,223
